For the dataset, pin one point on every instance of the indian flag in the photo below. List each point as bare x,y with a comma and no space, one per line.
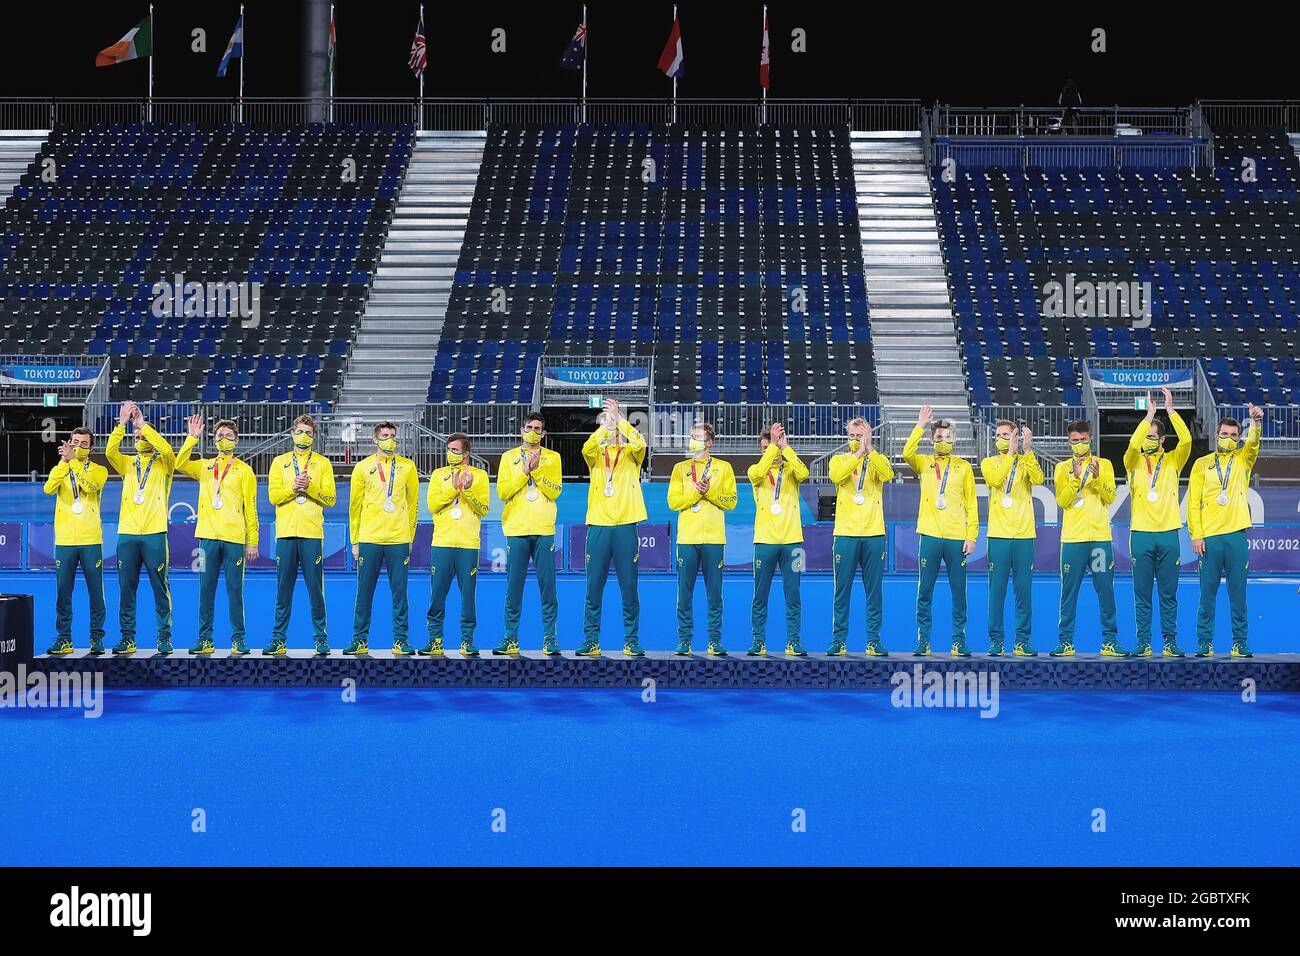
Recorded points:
137,43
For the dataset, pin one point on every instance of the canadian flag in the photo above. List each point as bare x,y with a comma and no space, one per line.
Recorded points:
764,56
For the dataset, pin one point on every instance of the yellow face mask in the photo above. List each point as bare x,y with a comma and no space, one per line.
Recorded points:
1080,448
226,445
696,446
143,448
943,447
854,445
387,445
1227,445
454,457
532,438
303,439
1004,444
1150,446
82,453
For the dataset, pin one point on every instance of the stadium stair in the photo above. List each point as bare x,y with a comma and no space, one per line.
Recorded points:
1295,143
388,373
18,150
917,357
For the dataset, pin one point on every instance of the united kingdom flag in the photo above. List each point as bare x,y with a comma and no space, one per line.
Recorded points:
419,53
573,56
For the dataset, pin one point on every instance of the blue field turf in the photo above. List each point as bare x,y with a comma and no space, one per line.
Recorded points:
696,777
1272,602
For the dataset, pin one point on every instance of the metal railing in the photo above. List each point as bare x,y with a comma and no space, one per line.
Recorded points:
1048,423
1075,152
463,113
30,379
256,422
1281,427
1039,120
1251,114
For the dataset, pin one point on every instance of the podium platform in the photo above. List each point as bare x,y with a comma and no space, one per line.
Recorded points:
1271,672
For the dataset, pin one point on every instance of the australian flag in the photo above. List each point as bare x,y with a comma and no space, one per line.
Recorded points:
572,59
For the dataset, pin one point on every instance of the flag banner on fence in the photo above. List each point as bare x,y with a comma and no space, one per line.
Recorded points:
671,61
764,55
234,48
577,49
137,43
419,58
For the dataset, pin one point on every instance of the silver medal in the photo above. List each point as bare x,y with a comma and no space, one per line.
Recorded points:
389,506
301,499
532,494
859,499
1006,501
456,513
1079,503
776,507
78,507
941,502
1223,498
609,491
1153,495
217,502
139,497
695,507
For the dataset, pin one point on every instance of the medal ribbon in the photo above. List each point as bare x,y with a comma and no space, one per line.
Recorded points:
609,469
1011,478
707,465
943,485
1083,479
777,482
1154,476
1224,479
523,453
76,492
140,482
392,474
218,475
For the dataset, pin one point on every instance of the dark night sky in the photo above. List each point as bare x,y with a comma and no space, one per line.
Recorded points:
984,54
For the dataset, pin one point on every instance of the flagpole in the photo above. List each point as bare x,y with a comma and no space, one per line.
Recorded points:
674,77
333,55
242,54
763,118
152,44
420,120
586,41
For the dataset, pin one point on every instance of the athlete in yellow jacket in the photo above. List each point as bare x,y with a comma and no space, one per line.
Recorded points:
383,508
300,486
1153,531
142,524
529,480
1085,490
1218,516
1010,477
459,496
76,483
948,525
859,476
614,453
227,530
778,536
702,490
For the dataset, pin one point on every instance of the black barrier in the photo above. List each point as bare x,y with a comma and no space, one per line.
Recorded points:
16,619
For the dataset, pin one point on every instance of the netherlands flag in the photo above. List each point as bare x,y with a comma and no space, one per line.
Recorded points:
671,61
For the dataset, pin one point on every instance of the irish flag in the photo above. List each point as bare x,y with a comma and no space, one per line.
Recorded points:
137,43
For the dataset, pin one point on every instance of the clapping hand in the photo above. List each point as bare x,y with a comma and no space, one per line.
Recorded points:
195,425
67,452
1169,400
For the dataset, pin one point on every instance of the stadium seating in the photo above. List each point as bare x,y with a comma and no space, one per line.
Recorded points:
698,265
131,205
1220,253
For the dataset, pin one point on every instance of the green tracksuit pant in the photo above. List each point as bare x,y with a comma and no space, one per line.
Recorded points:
291,554
619,545
692,559
851,553
370,559
90,558
933,551
1155,561
1226,556
540,549
767,558
219,556
1010,559
147,551
447,565
1095,558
